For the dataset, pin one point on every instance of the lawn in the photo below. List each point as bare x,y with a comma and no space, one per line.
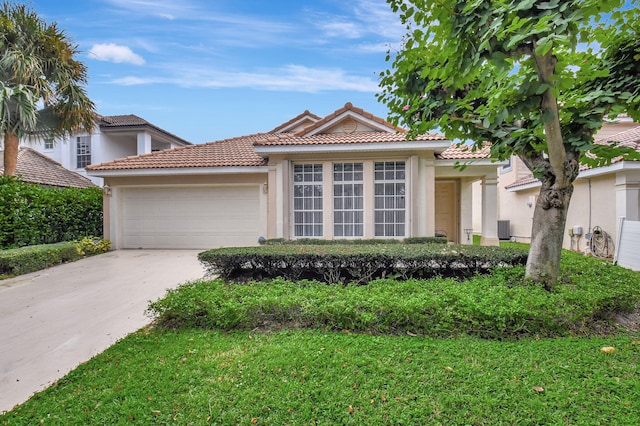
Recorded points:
472,352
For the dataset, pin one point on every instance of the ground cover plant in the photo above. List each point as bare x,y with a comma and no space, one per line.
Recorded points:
498,305
282,352
304,377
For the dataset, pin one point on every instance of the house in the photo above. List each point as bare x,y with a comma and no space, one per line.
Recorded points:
601,195
113,137
347,175
34,167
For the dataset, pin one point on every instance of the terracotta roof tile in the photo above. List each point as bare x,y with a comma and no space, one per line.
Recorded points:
629,138
225,153
305,115
132,121
34,167
349,107
464,152
342,138
239,151
527,180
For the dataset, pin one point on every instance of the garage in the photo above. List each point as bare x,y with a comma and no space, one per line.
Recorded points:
196,217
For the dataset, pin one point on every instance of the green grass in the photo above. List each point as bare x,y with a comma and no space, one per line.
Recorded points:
367,355
316,377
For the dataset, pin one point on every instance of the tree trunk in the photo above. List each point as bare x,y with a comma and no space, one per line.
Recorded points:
547,234
11,143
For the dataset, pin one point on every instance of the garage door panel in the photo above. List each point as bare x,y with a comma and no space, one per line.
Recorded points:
191,217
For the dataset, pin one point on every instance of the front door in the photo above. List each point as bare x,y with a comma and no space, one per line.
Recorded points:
447,209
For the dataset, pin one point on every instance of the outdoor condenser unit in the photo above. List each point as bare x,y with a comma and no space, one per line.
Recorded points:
504,230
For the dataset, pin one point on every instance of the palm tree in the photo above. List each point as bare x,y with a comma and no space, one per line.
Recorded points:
41,84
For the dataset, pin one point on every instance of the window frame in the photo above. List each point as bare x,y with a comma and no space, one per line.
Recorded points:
348,199
390,199
308,200
83,151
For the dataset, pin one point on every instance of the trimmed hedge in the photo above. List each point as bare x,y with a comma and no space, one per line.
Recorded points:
33,214
358,264
375,241
502,304
34,258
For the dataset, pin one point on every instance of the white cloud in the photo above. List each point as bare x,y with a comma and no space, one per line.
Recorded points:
292,78
112,52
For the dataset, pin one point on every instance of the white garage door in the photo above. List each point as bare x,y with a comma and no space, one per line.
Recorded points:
191,217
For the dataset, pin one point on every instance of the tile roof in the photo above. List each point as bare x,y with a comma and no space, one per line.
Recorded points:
349,107
225,153
305,116
239,151
107,122
464,152
343,138
629,138
34,167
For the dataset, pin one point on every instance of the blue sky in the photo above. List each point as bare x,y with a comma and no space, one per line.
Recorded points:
210,69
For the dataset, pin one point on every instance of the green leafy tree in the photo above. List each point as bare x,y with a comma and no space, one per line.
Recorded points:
534,78
41,84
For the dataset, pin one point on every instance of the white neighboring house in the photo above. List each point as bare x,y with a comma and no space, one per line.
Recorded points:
115,136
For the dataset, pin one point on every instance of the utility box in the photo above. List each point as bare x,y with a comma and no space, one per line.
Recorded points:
504,230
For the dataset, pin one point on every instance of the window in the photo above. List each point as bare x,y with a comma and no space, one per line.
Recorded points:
83,151
348,200
389,201
507,167
48,144
307,200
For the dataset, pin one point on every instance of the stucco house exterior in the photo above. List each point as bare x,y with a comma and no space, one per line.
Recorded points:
113,137
347,175
601,195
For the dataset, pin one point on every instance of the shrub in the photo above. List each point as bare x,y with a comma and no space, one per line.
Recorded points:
34,258
357,263
32,214
374,241
499,305
90,246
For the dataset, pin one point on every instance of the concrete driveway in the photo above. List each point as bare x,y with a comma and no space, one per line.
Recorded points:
55,319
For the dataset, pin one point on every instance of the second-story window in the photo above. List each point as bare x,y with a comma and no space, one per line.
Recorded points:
83,151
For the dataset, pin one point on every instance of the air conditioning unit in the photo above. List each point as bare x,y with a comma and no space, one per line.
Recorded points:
504,230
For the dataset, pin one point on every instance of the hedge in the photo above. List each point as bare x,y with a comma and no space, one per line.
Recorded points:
34,258
358,264
33,214
374,241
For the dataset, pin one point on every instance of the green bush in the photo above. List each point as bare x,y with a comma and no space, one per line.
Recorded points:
34,258
374,241
90,246
499,305
33,214
357,263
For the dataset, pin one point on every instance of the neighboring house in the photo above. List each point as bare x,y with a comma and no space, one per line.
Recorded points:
34,167
600,198
348,175
114,137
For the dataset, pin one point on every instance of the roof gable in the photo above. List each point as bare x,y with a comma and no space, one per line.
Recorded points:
350,119
298,123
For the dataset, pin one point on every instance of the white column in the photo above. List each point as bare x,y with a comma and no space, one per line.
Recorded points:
466,211
144,143
628,195
490,211
421,216
430,195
